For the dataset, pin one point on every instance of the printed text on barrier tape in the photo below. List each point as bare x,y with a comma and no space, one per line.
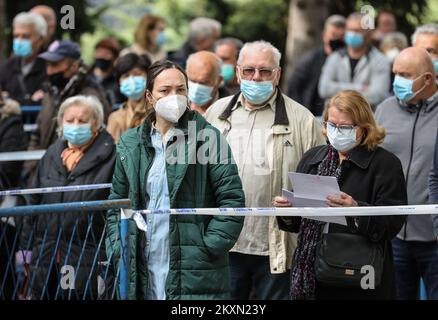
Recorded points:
311,213
56,189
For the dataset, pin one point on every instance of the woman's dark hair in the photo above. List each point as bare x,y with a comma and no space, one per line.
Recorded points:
159,66
154,70
129,61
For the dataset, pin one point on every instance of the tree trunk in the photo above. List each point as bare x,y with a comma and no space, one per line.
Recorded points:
2,29
305,26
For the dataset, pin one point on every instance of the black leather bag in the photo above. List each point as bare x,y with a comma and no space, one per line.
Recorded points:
341,256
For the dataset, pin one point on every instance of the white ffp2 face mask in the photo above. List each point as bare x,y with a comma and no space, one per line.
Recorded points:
171,108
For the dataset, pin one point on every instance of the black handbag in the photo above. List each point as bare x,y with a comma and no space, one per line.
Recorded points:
341,256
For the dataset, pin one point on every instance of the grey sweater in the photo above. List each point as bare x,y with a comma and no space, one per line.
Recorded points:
433,184
373,69
410,135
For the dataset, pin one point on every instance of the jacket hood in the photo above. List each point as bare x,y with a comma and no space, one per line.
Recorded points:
140,135
425,105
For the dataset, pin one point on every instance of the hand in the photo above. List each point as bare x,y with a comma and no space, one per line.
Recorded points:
5,95
343,200
281,202
38,95
22,260
365,87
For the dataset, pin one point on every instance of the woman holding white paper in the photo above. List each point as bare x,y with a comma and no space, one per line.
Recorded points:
328,257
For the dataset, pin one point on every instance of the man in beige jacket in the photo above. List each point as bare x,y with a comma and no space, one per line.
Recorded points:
268,134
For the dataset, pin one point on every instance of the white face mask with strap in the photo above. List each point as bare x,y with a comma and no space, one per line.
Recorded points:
171,108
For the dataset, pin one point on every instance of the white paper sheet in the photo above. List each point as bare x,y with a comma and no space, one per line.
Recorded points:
311,186
312,191
303,202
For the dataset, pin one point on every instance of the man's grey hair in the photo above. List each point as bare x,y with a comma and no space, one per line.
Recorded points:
88,101
335,20
201,28
31,19
218,68
236,43
430,28
394,38
260,45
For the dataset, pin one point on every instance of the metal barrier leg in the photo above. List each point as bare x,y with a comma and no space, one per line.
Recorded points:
423,293
124,259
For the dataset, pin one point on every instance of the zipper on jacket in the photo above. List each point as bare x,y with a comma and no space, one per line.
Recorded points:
410,162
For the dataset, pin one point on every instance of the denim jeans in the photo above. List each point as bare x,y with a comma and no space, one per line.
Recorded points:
251,275
414,260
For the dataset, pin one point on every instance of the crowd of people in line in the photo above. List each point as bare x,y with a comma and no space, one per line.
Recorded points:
378,101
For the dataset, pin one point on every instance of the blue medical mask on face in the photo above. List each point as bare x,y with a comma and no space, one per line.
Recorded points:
354,39
435,64
22,47
256,92
133,87
341,140
228,72
161,39
199,94
77,134
402,88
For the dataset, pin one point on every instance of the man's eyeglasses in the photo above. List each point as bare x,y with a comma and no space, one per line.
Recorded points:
264,72
343,128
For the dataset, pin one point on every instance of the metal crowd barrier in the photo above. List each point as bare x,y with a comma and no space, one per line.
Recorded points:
57,251
21,155
30,113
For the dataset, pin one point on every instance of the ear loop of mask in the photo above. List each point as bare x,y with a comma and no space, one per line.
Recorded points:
422,88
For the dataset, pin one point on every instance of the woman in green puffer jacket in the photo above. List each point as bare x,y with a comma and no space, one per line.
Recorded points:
175,159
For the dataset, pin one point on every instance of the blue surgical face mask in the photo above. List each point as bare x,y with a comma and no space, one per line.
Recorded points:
256,92
228,72
199,94
341,140
402,88
354,39
22,47
435,64
161,39
77,134
133,87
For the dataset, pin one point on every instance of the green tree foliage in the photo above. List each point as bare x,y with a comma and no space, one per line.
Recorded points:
245,19
83,23
409,14
262,19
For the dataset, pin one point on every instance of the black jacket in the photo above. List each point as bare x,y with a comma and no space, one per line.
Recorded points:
95,167
112,89
180,57
303,82
22,90
12,138
373,179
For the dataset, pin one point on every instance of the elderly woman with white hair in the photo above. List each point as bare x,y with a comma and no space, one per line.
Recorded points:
83,154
